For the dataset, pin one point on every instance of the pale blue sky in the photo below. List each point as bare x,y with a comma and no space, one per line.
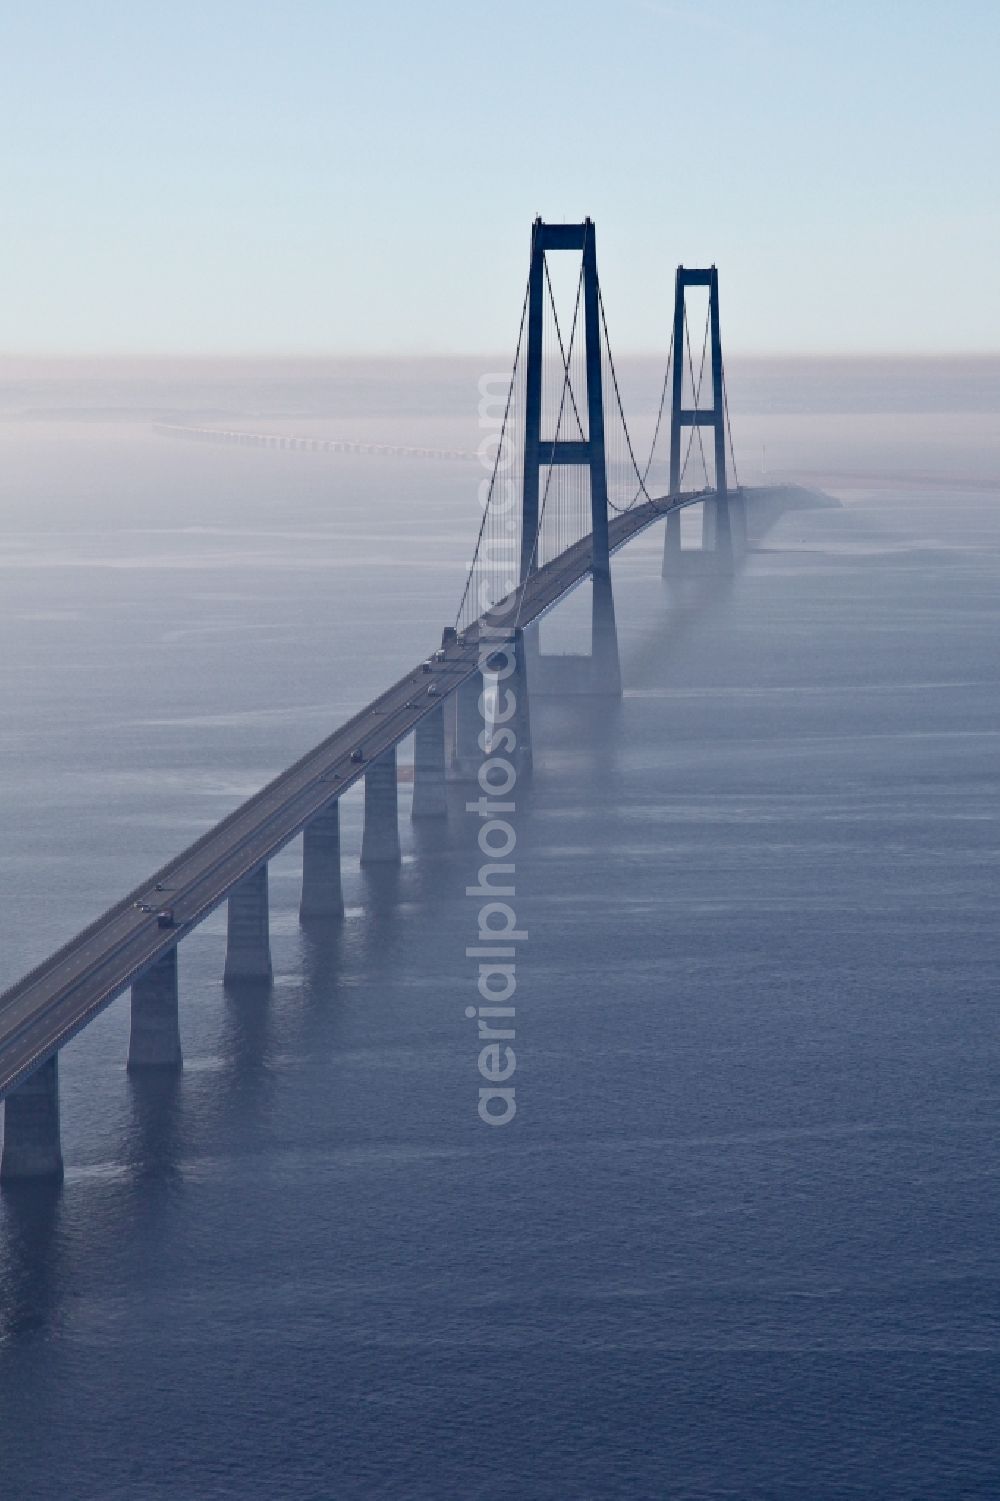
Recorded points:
224,176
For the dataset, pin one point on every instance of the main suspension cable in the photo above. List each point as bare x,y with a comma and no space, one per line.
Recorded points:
562,352
696,395
621,412
551,467
732,450
496,461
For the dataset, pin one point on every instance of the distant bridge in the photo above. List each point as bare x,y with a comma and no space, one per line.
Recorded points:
565,492
304,445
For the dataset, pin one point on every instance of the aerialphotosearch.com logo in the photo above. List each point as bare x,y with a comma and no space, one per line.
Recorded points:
497,930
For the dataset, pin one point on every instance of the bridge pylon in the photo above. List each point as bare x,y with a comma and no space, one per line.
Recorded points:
600,672
723,517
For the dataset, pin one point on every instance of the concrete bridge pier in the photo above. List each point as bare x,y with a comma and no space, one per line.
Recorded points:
723,539
718,538
155,1039
508,680
322,891
673,560
429,794
31,1146
605,669
738,522
716,528
521,723
467,756
380,841
248,946
569,674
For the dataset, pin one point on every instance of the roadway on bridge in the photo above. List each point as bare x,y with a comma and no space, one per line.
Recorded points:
48,1006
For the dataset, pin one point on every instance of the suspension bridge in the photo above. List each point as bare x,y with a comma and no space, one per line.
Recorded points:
566,491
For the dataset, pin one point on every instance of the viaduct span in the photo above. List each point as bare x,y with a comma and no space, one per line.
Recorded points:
559,465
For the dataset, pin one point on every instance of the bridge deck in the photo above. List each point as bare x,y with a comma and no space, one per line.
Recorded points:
48,1006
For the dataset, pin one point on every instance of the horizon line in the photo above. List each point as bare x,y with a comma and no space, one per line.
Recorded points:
404,356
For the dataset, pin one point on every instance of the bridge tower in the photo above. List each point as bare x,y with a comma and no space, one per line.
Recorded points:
723,516
601,671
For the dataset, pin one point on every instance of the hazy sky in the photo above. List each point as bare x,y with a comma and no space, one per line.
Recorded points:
312,176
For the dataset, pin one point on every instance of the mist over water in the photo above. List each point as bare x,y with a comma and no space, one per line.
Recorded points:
740,1239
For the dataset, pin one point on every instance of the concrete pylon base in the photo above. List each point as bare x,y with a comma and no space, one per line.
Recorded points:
31,1146
723,538
673,553
506,677
579,674
738,523
380,842
248,947
521,721
322,890
467,756
155,1039
607,670
430,797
